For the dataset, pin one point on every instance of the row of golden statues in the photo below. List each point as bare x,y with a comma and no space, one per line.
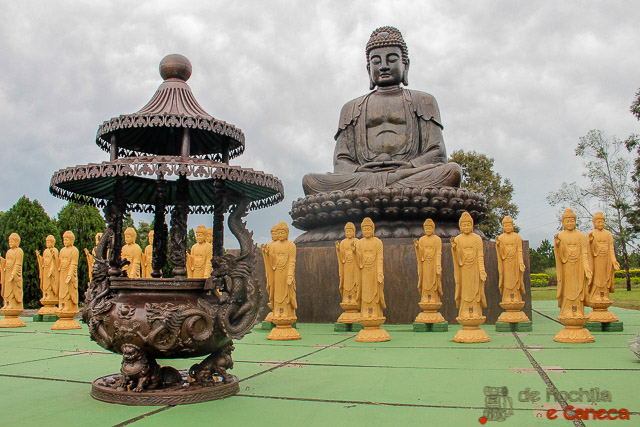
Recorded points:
585,268
58,282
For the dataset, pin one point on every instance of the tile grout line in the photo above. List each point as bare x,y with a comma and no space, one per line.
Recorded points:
40,360
546,379
148,414
27,377
544,315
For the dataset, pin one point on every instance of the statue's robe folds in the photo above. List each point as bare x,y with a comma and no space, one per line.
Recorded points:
349,272
49,274
12,286
269,271
133,253
509,251
147,258
429,256
68,290
199,261
369,254
602,259
468,264
424,149
571,260
283,264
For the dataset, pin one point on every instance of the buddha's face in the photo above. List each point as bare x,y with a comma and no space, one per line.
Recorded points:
200,236
466,227
507,227
282,234
209,237
98,236
350,232
68,239
50,242
569,223
386,66
13,242
598,223
428,229
274,234
129,238
367,231
150,236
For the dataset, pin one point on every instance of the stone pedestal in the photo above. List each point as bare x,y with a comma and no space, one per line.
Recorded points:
372,331
283,330
11,319
65,321
573,331
512,313
319,298
430,313
471,331
600,312
351,312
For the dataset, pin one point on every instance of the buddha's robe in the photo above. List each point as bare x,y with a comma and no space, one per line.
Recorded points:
68,275
12,279
468,263
416,118
602,259
571,263
369,254
509,251
47,263
133,253
199,261
429,257
282,261
348,271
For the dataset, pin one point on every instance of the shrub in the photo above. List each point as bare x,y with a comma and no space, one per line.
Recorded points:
632,273
540,280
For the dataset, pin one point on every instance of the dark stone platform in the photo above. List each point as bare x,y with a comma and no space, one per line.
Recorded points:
319,298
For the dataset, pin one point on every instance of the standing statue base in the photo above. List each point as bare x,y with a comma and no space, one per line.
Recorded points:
372,332
471,331
11,319
283,330
430,312
513,313
48,308
66,321
600,312
351,313
573,331
269,317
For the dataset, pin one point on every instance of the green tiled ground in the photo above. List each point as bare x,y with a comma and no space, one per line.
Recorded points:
329,379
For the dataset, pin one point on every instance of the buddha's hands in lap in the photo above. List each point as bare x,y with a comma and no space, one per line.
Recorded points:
382,166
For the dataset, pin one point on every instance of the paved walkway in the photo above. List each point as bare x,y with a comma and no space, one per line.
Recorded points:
329,379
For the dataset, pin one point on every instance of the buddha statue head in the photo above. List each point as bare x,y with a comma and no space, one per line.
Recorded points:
283,231
50,241
387,58
68,238
14,240
98,236
209,238
150,237
507,224
201,233
130,235
274,233
466,223
429,227
350,230
598,221
569,220
368,228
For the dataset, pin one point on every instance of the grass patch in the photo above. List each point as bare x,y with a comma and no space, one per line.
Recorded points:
621,297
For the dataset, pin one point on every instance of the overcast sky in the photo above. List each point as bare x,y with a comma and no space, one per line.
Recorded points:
518,81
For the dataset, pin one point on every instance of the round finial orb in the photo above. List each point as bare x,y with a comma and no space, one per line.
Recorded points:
175,66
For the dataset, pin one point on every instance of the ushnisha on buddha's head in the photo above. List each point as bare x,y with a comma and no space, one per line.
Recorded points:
598,221
387,58
466,223
507,224
130,235
569,220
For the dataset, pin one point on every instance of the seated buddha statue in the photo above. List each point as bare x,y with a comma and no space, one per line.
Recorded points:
390,137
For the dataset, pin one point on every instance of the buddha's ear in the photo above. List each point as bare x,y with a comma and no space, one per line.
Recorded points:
372,85
405,74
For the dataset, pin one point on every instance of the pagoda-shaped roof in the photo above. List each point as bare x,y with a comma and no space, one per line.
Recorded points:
158,127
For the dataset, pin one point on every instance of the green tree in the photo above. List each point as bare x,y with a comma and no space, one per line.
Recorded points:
608,189
84,221
478,175
33,225
542,258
